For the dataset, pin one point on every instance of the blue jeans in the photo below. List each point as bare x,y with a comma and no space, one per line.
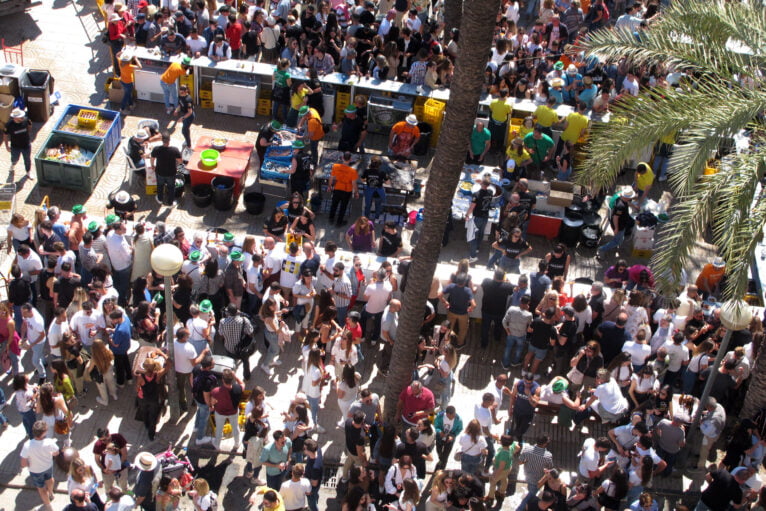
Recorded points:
494,258
166,189
273,349
490,452
15,366
615,242
186,123
17,317
510,265
314,402
26,153
38,359
127,94
481,224
201,419
121,280
277,108
170,92
532,9
341,318
28,419
470,464
312,499
369,199
275,482
514,347
486,324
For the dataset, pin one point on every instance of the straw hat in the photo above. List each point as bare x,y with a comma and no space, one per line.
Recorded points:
122,197
17,113
142,134
628,193
145,461
412,120
718,262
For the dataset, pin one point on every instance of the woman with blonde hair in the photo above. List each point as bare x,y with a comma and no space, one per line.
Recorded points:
614,306
343,352
75,306
148,388
83,477
440,489
360,237
550,300
100,369
9,337
203,498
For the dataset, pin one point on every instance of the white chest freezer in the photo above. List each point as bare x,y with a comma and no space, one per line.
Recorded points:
235,99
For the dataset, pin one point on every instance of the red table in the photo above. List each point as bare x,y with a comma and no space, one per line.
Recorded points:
234,162
541,225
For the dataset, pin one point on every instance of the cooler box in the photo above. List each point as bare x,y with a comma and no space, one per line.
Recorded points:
541,225
275,170
108,127
222,362
279,154
58,164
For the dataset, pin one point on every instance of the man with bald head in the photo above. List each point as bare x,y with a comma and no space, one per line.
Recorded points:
388,328
611,336
415,402
481,139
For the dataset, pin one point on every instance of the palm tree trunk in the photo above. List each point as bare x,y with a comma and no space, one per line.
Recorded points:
453,13
755,398
476,38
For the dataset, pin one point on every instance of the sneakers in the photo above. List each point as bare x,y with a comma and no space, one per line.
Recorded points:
662,178
319,429
102,402
269,371
204,440
473,260
276,363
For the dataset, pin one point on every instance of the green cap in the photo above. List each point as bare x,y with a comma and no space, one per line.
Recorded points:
195,256
236,255
110,219
77,209
275,125
228,237
558,66
186,61
559,386
206,306
93,226
350,109
303,111
298,144
158,298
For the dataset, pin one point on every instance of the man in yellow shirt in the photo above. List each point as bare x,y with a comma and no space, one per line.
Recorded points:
545,116
644,181
575,126
168,82
498,120
313,122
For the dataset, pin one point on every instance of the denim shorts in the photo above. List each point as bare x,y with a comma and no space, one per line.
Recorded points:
539,353
40,478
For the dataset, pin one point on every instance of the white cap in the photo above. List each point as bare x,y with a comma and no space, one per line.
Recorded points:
412,120
17,113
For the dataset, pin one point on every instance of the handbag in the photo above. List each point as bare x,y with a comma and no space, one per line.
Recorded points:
575,376
61,427
245,347
459,454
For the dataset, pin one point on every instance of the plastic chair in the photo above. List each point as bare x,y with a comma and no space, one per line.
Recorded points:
13,54
130,166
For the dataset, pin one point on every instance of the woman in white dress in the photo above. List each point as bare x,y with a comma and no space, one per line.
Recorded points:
347,388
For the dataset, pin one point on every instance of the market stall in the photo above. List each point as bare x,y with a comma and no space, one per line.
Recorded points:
468,184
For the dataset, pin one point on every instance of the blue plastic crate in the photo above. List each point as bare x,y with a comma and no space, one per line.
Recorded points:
113,135
284,159
268,173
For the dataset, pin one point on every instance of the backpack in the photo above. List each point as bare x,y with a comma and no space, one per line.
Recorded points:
198,385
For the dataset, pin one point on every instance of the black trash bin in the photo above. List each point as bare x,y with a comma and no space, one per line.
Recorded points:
421,148
202,195
223,192
36,88
254,202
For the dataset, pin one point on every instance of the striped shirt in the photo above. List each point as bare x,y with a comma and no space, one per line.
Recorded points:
535,460
342,286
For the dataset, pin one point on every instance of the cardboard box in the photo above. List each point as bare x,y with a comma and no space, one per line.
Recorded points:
9,85
643,244
116,92
539,186
557,198
562,186
6,105
643,234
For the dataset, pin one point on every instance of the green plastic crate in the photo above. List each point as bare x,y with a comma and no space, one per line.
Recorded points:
69,175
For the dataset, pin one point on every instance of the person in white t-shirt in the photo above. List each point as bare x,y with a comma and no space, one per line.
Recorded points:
324,275
291,269
677,357
272,260
200,326
85,324
56,331
254,277
295,490
639,350
37,455
377,294
33,334
63,256
606,400
596,457
185,358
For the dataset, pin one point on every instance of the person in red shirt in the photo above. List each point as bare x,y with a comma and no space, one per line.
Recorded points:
415,403
117,34
234,31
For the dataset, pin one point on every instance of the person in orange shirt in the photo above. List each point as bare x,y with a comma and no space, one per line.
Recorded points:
404,135
710,276
168,82
128,64
343,178
313,123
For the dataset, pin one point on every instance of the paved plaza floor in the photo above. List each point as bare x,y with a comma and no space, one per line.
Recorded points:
63,37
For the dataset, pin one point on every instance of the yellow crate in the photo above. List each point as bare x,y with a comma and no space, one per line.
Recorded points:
87,118
5,205
514,128
187,80
434,109
343,97
205,94
264,94
418,111
643,254
206,103
517,121
151,189
264,107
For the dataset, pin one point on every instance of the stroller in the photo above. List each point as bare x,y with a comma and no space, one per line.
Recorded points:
177,466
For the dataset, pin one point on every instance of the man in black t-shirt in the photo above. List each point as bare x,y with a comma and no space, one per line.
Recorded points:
374,179
185,109
65,285
415,449
566,342
137,148
355,435
18,140
543,336
203,384
165,160
353,130
390,241
495,292
722,489
621,222
481,203
300,168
